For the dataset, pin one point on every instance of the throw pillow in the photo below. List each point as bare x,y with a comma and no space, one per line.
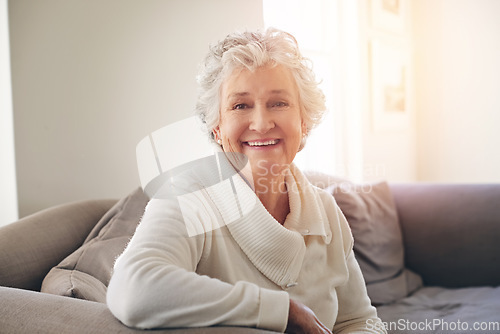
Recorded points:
85,273
378,242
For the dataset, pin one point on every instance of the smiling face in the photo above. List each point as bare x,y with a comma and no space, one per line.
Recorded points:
260,116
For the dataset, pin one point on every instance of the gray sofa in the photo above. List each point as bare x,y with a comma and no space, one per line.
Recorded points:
448,273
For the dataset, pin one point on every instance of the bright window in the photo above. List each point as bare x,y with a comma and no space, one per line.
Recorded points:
327,33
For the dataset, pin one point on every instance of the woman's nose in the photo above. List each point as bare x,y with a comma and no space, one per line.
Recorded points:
261,119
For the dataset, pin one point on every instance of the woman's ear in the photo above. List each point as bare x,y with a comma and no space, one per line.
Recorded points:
304,128
216,132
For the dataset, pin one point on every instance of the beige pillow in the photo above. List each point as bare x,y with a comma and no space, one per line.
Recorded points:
85,273
378,241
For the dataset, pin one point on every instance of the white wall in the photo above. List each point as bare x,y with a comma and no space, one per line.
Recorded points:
92,78
457,53
8,191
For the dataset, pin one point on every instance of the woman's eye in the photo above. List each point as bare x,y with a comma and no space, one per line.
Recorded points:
280,104
240,106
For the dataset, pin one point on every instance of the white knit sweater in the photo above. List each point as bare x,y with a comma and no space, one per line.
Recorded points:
245,266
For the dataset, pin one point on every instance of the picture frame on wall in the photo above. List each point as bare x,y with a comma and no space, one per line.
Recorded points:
389,15
390,85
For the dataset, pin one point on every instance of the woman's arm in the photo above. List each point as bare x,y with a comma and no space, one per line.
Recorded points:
356,314
155,285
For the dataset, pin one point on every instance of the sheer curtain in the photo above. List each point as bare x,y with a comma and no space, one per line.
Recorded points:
327,33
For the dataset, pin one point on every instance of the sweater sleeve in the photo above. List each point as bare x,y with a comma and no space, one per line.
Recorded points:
356,314
155,284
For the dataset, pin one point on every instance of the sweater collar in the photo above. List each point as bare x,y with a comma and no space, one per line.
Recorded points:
276,250
307,215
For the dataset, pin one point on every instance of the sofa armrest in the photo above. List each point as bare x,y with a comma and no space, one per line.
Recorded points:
23,311
30,247
451,232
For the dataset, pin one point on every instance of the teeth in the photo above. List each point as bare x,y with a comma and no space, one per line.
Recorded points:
263,143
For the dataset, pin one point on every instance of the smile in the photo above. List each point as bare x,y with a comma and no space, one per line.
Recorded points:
257,143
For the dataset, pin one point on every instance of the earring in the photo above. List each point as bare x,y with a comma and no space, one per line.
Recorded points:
219,141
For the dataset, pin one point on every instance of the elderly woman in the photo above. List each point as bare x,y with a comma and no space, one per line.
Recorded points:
286,264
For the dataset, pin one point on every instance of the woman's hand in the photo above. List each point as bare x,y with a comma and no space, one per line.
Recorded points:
301,319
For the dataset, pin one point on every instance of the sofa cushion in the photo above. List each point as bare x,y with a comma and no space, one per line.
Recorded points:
85,273
23,311
442,310
378,243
